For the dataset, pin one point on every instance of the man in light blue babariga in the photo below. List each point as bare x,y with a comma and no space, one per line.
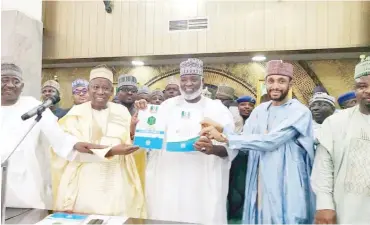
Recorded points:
279,139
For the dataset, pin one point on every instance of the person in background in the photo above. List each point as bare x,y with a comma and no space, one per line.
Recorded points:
143,93
172,89
127,91
347,100
279,140
28,187
79,91
156,97
190,186
116,100
340,175
52,88
207,93
225,94
322,106
238,168
107,182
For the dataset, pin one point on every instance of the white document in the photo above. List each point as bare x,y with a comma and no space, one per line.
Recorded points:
183,130
149,132
77,219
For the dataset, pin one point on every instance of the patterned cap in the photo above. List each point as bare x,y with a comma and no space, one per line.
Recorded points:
206,93
157,92
322,97
225,90
363,67
191,67
10,69
172,80
278,67
51,83
246,99
79,83
143,90
346,96
319,89
101,72
125,80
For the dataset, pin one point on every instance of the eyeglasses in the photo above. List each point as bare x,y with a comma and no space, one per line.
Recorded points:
78,92
128,89
13,81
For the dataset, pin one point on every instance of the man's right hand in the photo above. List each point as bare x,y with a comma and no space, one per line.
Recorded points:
122,149
85,147
325,216
141,104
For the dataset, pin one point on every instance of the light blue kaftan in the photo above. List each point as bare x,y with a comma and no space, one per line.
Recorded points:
280,143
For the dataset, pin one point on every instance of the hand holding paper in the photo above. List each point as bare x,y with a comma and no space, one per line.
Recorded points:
122,149
141,104
212,133
204,145
84,147
208,122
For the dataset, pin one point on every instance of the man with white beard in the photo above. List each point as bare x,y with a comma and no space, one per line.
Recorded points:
190,186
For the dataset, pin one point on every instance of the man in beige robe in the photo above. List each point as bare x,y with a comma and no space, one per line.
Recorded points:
106,182
341,171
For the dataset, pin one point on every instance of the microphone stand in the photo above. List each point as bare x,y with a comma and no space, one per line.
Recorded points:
4,164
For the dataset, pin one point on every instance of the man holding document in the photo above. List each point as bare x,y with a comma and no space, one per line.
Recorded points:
106,182
187,179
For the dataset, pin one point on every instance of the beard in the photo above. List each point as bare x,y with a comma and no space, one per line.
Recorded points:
283,95
194,95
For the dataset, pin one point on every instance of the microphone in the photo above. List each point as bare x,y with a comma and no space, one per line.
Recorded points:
41,108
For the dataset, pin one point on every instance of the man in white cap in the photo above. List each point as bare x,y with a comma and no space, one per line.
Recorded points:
322,106
172,88
156,97
52,88
28,181
341,172
127,91
279,140
190,186
107,182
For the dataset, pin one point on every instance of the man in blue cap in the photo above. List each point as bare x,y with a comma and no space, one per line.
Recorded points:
238,168
347,100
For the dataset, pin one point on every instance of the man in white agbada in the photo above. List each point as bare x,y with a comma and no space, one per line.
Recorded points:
341,171
28,182
191,186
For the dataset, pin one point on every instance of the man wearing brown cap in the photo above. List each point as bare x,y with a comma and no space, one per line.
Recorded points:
28,181
225,94
279,139
52,88
156,97
108,181
172,88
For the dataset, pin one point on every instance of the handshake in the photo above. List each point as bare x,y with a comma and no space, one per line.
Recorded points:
212,130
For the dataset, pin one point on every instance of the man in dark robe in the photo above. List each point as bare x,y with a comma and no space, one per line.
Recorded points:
49,89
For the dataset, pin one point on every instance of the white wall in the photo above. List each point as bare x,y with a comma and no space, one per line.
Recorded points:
32,8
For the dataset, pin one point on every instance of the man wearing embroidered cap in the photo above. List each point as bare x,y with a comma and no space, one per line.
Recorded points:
108,181
189,186
52,88
279,140
143,93
29,180
172,88
347,100
79,91
340,176
156,97
226,95
127,91
322,106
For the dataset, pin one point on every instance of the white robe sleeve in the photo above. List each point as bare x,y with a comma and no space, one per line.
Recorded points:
60,141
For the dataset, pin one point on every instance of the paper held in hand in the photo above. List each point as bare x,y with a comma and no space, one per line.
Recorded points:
184,130
150,129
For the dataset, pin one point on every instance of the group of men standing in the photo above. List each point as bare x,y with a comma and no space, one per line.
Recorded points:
269,164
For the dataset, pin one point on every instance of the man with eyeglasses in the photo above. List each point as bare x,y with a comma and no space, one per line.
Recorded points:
80,92
28,188
107,182
127,91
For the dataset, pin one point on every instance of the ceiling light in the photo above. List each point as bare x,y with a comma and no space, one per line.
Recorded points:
137,63
259,58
